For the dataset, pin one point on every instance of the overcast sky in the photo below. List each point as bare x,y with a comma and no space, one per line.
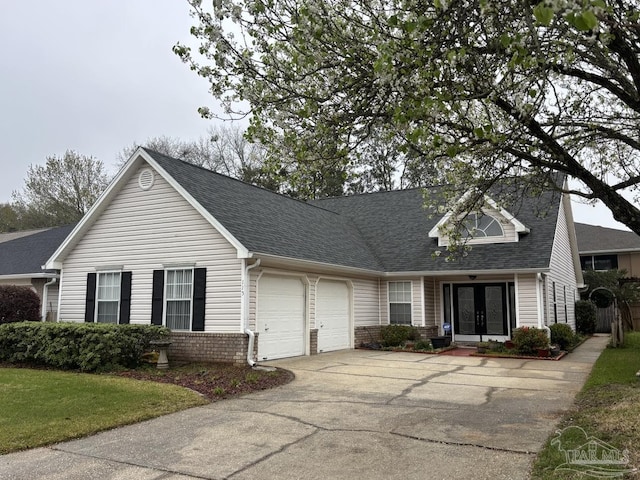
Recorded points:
96,76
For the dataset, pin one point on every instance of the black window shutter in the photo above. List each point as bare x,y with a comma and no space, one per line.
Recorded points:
125,296
90,299
199,289
157,297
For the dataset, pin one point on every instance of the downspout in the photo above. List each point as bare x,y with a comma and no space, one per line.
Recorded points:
45,298
540,284
246,287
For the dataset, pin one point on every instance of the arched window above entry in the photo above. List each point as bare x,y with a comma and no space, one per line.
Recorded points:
480,226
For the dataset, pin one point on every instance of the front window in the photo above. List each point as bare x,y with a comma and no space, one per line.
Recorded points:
599,262
179,292
480,226
108,297
400,303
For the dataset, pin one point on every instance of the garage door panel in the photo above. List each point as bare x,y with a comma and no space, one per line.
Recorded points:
332,315
280,312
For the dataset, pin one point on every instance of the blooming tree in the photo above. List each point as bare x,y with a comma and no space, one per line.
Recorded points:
475,90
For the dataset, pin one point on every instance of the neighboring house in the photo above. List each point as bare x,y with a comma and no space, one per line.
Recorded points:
216,260
604,248
22,255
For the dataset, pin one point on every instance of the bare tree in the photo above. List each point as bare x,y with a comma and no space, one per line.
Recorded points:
61,191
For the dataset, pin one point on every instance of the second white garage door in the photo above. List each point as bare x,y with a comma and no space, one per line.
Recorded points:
280,317
332,315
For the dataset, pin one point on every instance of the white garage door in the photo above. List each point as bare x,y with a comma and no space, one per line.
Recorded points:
280,317
332,315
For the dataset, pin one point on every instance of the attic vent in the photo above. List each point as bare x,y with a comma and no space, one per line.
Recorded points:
145,180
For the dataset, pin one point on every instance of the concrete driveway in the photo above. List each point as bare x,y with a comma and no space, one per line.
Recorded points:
350,414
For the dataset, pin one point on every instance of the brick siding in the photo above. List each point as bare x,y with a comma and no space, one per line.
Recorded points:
371,333
313,341
210,347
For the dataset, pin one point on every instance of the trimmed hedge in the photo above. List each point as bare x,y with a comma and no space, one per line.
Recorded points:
586,317
396,335
87,347
562,335
18,304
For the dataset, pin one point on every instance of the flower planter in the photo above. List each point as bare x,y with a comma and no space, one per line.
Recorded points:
509,345
543,352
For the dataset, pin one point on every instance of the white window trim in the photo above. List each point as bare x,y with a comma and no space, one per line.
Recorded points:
165,299
410,282
99,273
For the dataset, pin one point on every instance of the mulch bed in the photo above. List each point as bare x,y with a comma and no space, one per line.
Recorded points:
214,381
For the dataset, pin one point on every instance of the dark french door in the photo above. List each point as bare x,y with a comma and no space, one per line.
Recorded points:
480,309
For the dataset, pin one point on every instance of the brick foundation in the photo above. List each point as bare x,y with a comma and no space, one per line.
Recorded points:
313,341
210,347
371,333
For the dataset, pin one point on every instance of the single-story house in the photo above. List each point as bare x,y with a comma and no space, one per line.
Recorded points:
22,255
240,272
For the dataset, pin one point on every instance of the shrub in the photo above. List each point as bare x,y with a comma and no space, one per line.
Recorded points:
18,304
77,346
586,317
528,340
562,335
423,345
396,335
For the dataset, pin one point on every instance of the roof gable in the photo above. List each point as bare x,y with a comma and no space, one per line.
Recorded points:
490,208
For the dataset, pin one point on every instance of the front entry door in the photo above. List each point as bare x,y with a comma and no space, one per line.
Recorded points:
480,309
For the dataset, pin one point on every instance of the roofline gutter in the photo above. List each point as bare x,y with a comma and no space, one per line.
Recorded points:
610,252
445,273
29,275
377,273
312,263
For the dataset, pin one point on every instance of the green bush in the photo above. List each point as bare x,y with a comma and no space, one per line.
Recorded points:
528,340
586,317
18,304
423,345
396,335
77,346
562,335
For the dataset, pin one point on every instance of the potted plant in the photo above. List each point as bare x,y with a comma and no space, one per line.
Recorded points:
543,352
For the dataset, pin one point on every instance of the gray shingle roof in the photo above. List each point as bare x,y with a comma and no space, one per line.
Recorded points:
592,238
25,255
385,232
269,223
397,225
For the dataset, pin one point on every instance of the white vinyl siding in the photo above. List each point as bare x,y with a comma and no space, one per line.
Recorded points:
145,231
430,301
107,297
527,300
562,274
365,302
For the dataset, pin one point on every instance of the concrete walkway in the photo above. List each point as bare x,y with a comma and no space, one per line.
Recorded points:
350,414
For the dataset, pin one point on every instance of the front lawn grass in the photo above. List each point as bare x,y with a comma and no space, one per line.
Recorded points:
607,408
40,407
